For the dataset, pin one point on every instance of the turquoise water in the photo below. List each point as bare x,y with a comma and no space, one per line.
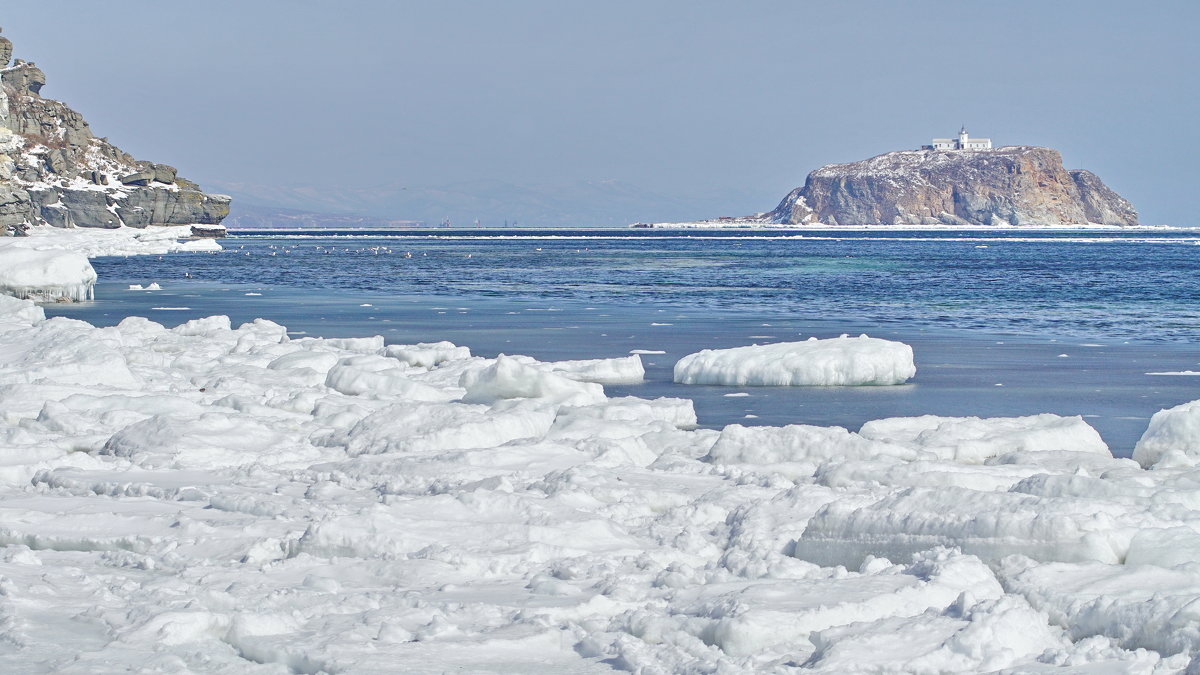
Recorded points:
1002,323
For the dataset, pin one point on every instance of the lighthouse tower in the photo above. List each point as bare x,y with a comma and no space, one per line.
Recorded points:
963,138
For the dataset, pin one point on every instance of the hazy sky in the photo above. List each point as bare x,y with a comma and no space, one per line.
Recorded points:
674,97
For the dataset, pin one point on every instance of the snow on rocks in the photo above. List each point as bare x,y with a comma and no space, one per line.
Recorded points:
220,498
836,361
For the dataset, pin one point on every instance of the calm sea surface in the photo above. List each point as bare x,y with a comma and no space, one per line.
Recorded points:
1002,322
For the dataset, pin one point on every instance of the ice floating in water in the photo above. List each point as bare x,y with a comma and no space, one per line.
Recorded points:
1172,439
45,274
833,362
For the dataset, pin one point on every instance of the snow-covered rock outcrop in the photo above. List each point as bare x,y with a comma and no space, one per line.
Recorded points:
53,171
1014,185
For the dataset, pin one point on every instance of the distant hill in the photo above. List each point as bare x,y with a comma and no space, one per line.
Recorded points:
492,203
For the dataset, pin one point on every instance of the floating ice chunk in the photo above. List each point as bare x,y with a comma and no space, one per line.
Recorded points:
363,345
974,439
428,354
208,326
1138,607
990,525
379,377
971,637
1165,547
507,377
210,440
836,361
1172,439
53,351
45,275
796,450
676,412
16,313
425,427
318,361
624,370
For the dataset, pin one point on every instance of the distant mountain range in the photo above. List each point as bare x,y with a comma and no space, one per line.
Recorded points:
492,203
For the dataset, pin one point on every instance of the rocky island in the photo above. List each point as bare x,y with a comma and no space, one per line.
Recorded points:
951,182
54,171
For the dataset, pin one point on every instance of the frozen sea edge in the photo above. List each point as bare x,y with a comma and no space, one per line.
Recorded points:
211,498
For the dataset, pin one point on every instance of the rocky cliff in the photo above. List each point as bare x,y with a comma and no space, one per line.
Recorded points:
53,171
1015,185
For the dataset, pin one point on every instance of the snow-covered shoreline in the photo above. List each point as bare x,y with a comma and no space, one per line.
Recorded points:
50,264
213,498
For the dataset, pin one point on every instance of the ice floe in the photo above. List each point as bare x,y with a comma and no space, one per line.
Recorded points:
836,361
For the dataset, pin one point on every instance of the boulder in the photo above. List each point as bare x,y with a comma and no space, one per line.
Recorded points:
137,178
26,78
164,173
157,206
14,205
74,208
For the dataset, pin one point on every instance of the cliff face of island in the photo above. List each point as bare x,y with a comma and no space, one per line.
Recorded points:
1014,185
53,171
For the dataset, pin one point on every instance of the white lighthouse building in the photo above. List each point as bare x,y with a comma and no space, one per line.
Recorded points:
963,142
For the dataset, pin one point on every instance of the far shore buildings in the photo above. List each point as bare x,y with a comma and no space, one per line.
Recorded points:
963,142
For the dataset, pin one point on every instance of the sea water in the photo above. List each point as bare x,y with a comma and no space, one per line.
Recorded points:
1002,322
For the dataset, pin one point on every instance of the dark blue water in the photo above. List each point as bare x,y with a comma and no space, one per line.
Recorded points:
1002,323
1130,286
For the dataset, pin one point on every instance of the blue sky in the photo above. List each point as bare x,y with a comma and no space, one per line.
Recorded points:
678,98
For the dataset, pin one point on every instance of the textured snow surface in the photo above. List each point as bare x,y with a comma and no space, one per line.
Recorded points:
833,362
214,498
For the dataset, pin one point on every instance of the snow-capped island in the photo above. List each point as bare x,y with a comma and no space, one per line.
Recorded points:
960,182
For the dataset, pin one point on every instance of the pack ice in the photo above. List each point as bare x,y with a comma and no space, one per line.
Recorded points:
832,362
212,498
